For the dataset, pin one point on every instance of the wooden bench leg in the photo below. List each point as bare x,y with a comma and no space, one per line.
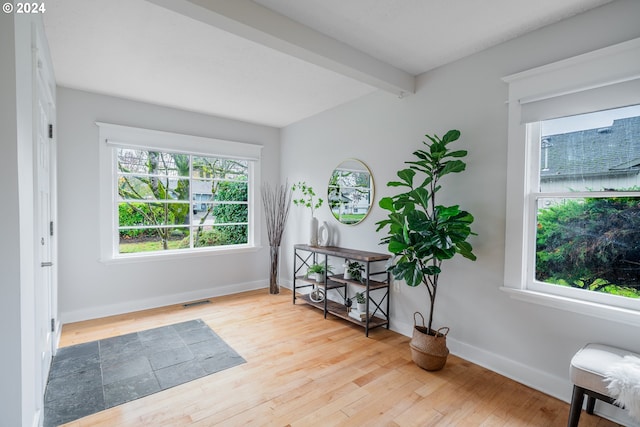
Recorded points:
576,406
591,403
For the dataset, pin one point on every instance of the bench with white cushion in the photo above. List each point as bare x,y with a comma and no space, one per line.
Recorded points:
588,371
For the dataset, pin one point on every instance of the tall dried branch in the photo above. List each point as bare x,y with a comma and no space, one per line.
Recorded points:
276,202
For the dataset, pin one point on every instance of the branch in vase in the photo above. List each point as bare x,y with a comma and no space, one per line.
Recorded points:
276,202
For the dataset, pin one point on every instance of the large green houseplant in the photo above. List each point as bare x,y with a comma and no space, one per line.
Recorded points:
422,234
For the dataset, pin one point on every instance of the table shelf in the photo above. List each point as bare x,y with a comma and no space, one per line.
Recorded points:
376,291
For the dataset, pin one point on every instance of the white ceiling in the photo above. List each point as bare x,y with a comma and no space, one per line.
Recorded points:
254,61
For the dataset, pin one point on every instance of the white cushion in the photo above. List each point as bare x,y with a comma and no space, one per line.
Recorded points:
590,364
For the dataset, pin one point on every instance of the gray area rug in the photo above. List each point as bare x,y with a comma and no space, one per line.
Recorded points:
90,377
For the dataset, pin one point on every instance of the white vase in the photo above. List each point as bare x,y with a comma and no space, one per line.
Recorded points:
313,231
324,234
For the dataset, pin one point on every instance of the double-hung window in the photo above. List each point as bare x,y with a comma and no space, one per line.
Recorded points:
573,185
166,193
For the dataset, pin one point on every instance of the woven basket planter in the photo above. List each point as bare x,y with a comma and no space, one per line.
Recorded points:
428,348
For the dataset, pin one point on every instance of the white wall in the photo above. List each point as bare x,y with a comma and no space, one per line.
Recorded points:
530,343
10,365
89,288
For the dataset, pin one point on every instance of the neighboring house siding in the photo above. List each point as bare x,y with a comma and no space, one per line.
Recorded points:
593,159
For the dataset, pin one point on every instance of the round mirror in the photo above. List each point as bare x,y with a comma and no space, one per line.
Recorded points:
350,193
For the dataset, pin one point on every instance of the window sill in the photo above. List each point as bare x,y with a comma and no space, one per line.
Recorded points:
607,312
172,255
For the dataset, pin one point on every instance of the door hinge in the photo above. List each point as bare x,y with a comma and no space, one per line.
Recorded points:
51,228
50,131
53,325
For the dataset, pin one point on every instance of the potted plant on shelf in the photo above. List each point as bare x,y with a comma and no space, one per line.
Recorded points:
307,200
361,302
353,271
317,271
422,234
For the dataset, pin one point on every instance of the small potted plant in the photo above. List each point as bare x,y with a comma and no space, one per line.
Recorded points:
353,271
361,302
347,274
317,271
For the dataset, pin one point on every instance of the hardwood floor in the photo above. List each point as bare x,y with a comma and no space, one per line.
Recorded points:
303,370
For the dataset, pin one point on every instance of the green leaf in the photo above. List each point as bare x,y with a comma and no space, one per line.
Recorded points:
421,154
453,166
421,195
397,223
418,221
396,247
407,176
434,139
445,212
465,217
437,150
465,249
423,166
451,136
409,271
405,232
387,204
468,255
459,153
382,224
432,270
443,254
427,181
403,202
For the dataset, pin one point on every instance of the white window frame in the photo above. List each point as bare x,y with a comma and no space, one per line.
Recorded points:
602,79
112,136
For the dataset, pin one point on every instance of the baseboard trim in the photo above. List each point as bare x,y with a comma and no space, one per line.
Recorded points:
557,387
36,418
56,336
155,302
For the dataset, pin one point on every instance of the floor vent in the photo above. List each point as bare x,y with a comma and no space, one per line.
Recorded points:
194,303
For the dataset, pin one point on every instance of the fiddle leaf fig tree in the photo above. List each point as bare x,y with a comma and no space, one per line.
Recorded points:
422,234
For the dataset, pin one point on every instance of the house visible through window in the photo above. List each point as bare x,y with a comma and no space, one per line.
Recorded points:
588,202
167,193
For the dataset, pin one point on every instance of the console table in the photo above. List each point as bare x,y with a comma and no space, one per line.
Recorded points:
375,284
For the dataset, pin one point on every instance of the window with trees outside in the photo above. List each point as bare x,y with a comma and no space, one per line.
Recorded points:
573,216
588,201
174,195
180,201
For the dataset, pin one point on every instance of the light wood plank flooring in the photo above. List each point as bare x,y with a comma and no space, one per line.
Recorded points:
303,370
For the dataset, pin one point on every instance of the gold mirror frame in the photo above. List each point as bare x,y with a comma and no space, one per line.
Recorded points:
351,192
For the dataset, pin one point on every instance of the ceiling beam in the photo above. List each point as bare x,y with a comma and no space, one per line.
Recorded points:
255,22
